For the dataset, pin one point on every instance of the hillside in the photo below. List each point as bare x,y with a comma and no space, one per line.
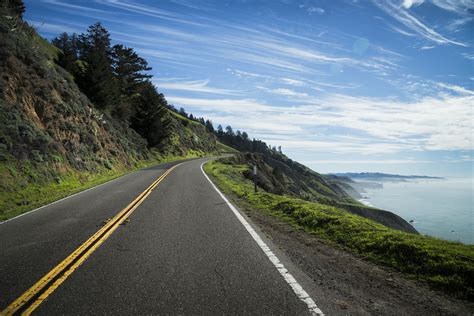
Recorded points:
279,175
53,140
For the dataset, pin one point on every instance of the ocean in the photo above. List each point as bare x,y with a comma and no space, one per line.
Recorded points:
439,208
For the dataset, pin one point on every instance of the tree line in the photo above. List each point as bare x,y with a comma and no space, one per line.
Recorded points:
238,140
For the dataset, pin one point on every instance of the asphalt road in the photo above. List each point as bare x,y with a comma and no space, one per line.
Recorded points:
183,251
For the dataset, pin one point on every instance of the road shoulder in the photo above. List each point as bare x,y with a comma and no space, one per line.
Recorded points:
354,285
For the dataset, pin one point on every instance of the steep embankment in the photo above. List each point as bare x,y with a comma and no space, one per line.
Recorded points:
442,264
53,141
277,177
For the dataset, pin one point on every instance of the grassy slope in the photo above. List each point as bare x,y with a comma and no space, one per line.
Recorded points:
23,198
222,148
445,265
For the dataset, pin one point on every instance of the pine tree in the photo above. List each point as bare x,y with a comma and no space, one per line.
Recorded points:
209,126
69,56
151,120
16,7
98,81
229,130
129,69
182,112
220,131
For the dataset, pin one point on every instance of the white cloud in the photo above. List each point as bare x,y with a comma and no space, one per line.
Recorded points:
293,82
383,162
468,56
409,3
150,11
222,105
462,7
54,28
288,92
457,24
317,10
193,86
347,124
400,14
72,7
426,47
455,88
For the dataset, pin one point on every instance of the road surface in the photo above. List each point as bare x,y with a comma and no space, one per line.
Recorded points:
183,250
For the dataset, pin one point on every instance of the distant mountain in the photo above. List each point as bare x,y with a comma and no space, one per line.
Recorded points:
381,176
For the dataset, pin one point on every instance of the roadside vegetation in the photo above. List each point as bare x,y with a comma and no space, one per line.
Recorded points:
444,265
25,187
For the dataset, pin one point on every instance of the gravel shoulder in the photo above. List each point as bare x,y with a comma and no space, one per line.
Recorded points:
356,286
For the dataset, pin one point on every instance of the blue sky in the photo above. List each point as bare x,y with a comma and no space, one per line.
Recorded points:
349,85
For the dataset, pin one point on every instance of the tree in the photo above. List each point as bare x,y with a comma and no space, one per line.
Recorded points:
17,7
129,69
69,56
151,120
229,130
209,126
220,130
98,81
182,112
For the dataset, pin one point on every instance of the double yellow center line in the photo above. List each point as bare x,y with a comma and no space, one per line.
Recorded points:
35,295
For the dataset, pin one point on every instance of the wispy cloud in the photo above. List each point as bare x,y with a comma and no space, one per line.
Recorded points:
401,14
54,28
410,3
70,6
382,161
469,56
201,86
152,11
426,47
232,106
457,24
455,88
288,92
462,7
293,82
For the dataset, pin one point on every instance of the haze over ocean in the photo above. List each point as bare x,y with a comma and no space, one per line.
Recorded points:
439,208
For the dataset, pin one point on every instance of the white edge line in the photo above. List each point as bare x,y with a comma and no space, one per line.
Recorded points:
295,286
77,193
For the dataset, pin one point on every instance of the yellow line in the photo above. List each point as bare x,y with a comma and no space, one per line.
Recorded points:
105,232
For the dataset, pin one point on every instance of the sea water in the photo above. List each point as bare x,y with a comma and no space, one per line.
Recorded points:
439,208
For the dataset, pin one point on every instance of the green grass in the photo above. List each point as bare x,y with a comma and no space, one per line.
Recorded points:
223,148
442,264
21,194
183,118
